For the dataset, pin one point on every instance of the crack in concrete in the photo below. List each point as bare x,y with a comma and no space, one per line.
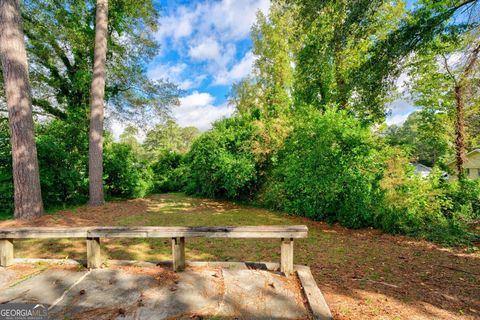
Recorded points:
68,290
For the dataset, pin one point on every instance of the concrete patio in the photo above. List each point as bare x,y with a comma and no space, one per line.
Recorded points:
141,290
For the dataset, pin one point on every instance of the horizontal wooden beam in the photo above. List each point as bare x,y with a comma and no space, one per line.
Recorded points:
208,232
156,232
43,232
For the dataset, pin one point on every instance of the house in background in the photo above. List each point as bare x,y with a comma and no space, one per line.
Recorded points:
421,170
424,171
472,165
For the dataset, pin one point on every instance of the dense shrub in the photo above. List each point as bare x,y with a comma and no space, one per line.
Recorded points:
221,163
6,179
169,172
432,208
329,169
125,175
62,156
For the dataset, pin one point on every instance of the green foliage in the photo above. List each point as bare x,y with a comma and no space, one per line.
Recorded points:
336,39
427,135
329,169
169,136
169,172
6,178
59,39
126,176
221,163
63,163
437,70
62,155
274,44
431,208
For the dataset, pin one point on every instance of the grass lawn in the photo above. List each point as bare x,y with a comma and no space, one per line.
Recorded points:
363,274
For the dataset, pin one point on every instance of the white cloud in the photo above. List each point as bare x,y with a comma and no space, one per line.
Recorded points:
197,110
116,128
178,25
207,49
206,34
237,72
234,18
399,110
229,19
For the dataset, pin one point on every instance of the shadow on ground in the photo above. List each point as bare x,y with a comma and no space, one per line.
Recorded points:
158,293
363,274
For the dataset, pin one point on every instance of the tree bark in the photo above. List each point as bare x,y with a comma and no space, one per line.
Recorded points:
459,130
460,110
97,93
26,179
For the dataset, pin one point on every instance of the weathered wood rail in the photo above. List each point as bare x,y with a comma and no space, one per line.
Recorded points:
176,234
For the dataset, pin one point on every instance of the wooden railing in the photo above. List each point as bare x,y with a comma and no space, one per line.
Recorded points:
177,234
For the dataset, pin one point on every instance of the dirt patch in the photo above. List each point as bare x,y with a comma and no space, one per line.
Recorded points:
107,214
17,273
165,277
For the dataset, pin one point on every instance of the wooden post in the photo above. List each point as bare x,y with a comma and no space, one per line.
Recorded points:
178,252
6,252
94,259
286,256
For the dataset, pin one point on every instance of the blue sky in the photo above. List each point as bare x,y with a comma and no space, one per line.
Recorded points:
205,47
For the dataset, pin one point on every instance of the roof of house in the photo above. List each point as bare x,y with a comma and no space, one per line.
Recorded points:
421,169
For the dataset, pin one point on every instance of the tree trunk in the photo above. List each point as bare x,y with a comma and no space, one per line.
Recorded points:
97,93
459,130
26,179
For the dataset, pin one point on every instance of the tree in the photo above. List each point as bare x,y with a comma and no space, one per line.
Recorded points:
444,75
461,84
337,37
425,134
275,46
169,136
28,198
97,93
59,36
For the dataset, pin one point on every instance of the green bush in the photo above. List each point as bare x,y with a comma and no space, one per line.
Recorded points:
125,175
329,169
6,178
169,172
62,157
432,208
221,163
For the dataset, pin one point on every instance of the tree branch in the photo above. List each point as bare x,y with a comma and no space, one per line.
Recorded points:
471,62
445,64
48,108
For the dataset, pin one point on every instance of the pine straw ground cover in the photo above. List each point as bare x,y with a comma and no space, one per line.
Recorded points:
363,274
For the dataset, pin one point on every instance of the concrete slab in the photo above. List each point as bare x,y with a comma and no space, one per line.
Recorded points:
146,291
45,287
6,276
259,294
